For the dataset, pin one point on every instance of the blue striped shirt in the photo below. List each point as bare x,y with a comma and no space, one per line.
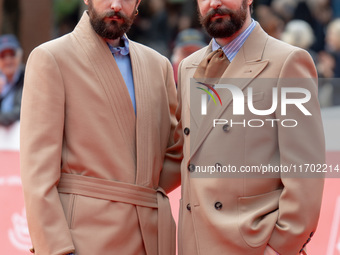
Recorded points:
232,48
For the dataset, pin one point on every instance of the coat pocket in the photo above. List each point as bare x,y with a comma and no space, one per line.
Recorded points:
257,216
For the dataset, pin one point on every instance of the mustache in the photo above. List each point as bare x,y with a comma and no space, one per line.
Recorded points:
218,11
112,14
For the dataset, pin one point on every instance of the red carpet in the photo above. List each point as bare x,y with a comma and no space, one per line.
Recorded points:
14,238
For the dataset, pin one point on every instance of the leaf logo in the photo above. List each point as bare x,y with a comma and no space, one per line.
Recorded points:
209,93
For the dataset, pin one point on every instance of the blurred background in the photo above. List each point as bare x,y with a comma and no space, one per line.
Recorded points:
172,28
310,24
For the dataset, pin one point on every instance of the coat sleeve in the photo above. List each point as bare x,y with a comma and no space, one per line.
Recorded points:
42,124
300,201
171,173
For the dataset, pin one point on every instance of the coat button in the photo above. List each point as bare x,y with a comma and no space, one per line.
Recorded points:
186,131
218,165
218,205
311,234
191,168
308,240
189,207
226,128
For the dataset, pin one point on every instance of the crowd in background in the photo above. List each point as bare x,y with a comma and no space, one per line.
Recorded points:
172,28
11,80
310,24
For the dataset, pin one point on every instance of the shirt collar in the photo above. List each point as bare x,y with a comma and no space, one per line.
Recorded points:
125,50
232,48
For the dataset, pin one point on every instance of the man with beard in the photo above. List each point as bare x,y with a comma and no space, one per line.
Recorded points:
230,205
97,153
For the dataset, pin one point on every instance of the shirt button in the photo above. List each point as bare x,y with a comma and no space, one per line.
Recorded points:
191,168
186,131
189,207
218,205
226,128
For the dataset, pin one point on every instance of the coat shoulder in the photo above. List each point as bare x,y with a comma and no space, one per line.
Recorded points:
195,57
59,48
280,48
56,45
148,52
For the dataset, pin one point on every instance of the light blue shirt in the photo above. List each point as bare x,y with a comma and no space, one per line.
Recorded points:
232,48
122,57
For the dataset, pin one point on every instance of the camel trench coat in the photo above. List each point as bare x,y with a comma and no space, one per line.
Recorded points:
241,213
95,173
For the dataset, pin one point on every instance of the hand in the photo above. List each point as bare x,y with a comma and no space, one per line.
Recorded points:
269,251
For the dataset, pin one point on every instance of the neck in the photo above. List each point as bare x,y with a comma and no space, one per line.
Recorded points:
114,42
224,41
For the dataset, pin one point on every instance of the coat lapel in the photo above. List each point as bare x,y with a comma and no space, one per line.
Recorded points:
110,79
194,95
247,65
144,132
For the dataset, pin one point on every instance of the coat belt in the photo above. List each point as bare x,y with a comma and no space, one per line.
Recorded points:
131,194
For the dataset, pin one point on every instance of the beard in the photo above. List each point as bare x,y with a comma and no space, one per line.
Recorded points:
110,29
224,27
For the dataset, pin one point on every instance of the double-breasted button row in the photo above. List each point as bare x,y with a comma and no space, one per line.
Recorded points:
191,168
226,128
218,206
218,165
